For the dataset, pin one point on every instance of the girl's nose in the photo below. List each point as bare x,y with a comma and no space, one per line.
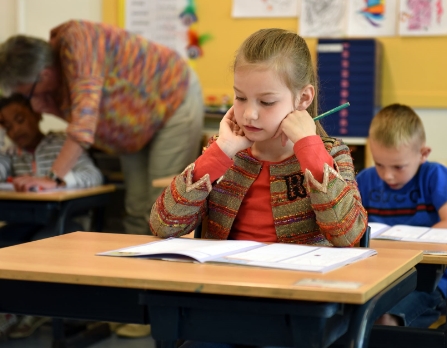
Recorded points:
250,113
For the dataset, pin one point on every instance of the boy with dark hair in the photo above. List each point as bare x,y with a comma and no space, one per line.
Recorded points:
33,152
31,157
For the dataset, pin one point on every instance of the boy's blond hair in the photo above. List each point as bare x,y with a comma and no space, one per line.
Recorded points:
397,125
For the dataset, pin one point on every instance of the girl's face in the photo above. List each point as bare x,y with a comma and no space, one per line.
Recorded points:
261,102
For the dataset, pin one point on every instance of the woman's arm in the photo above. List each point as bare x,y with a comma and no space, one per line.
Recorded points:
69,155
76,44
84,173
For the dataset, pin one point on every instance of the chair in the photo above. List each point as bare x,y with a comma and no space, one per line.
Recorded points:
364,241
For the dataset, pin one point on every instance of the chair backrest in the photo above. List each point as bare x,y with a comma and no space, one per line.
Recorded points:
198,232
364,241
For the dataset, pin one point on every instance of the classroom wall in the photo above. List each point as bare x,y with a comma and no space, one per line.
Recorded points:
413,70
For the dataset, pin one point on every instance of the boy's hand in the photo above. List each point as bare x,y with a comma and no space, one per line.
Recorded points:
31,183
296,126
231,137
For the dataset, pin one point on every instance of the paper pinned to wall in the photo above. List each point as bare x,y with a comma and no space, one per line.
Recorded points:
265,8
159,21
323,18
423,17
372,18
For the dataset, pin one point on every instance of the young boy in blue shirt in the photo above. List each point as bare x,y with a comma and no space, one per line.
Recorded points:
404,188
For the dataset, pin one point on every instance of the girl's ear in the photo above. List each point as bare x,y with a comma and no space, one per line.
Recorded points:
305,97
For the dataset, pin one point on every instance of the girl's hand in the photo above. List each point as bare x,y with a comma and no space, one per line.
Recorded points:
231,137
296,126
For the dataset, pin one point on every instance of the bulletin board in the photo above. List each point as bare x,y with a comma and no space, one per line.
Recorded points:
414,69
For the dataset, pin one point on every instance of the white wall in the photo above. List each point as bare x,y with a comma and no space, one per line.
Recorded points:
37,18
435,124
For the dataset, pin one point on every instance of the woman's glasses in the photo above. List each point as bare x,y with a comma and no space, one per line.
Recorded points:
33,87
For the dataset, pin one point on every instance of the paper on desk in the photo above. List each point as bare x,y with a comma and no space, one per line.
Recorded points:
9,186
435,252
435,235
249,253
299,257
173,248
403,232
408,233
6,186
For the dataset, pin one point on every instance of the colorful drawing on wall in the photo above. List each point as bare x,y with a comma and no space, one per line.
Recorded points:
323,18
264,8
189,15
422,17
372,18
158,21
169,22
195,41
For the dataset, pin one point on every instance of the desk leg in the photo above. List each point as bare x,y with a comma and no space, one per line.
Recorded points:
58,331
98,219
364,316
70,207
79,335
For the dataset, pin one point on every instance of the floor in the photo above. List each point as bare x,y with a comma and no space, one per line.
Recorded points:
42,338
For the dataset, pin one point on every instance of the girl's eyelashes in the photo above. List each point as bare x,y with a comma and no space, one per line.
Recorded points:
262,102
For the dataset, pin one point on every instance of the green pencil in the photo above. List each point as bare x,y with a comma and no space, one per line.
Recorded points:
327,113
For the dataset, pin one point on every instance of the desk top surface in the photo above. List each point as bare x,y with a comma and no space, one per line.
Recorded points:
439,259
71,259
58,196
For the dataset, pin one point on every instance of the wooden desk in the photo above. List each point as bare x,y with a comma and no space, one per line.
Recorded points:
432,267
56,195
427,258
62,277
41,207
163,182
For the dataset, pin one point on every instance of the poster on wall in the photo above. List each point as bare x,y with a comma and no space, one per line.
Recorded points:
372,18
422,17
323,18
265,8
159,21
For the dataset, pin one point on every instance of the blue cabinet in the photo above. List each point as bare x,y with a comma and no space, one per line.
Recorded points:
349,71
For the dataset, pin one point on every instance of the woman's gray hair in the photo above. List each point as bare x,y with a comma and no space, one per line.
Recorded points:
22,58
